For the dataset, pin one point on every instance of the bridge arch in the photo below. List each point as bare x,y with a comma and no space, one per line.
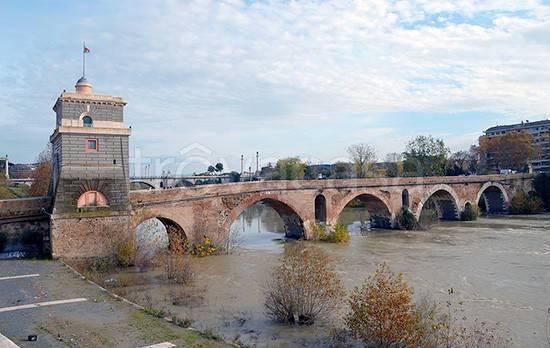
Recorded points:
443,199
293,221
377,205
155,233
492,198
141,185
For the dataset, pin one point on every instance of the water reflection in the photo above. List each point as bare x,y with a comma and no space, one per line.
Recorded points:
258,227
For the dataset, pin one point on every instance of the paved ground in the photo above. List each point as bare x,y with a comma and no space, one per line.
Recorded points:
97,321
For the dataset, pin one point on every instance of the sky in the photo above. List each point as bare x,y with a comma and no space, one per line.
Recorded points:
207,81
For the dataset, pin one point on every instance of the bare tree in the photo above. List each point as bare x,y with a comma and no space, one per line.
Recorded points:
363,157
43,173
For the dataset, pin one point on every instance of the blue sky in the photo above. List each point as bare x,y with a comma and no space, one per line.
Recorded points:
214,79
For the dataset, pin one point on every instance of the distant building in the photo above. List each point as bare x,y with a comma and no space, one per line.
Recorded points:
540,130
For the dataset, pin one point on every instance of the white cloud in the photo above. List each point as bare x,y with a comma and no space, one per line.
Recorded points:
223,71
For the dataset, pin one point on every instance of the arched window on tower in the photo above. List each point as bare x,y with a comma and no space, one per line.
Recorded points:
87,121
92,199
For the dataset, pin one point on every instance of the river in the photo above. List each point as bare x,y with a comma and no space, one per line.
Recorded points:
498,266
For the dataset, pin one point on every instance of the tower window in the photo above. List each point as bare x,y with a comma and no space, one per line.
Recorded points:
87,121
91,145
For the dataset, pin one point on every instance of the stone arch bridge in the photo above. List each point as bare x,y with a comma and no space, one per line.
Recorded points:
210,210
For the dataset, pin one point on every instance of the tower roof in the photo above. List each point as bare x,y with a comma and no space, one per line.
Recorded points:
83,86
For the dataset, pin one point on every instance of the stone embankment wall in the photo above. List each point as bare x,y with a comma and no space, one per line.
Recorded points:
25,226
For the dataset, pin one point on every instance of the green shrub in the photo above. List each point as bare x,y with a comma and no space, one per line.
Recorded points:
126,253
339,234
523,203
470,213
3,240
406,220
317,231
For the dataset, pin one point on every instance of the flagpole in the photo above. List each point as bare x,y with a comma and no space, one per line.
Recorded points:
83,59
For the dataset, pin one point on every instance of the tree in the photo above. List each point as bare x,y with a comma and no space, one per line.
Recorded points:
309,172
341,170
219,167
42,175
382,311
211,169
425,156
291,168
394,165
513,150
363,157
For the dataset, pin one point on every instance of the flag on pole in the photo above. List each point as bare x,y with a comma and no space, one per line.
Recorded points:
86,49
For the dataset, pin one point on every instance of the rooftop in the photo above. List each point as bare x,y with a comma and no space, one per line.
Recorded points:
526,124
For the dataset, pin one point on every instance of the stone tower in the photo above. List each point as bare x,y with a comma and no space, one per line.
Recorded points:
90,178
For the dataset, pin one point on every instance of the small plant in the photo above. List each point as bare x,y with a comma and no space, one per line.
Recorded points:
339,234
204,248
317,231
382,311
185,323
470,213
304,287
126,253
406,220
176,267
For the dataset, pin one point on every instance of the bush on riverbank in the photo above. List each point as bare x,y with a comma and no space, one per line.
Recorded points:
337,234
470,213
406,220
523,203
304,287
382,311
383,314
126,253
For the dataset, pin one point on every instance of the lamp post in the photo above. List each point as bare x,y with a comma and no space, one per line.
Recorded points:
242,164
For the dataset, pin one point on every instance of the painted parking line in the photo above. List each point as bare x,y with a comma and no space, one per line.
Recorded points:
41,304
161,345
20,276
6,342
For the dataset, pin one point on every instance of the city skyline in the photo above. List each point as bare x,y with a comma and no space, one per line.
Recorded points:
284,79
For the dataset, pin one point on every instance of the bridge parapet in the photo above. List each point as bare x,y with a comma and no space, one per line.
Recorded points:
144,197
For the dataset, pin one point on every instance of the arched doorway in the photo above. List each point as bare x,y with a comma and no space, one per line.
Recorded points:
364,212
492,200
440,205
320,209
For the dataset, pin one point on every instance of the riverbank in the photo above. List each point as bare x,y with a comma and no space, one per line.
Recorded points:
81,315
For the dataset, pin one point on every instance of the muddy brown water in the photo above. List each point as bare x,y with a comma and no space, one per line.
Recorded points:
498,266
